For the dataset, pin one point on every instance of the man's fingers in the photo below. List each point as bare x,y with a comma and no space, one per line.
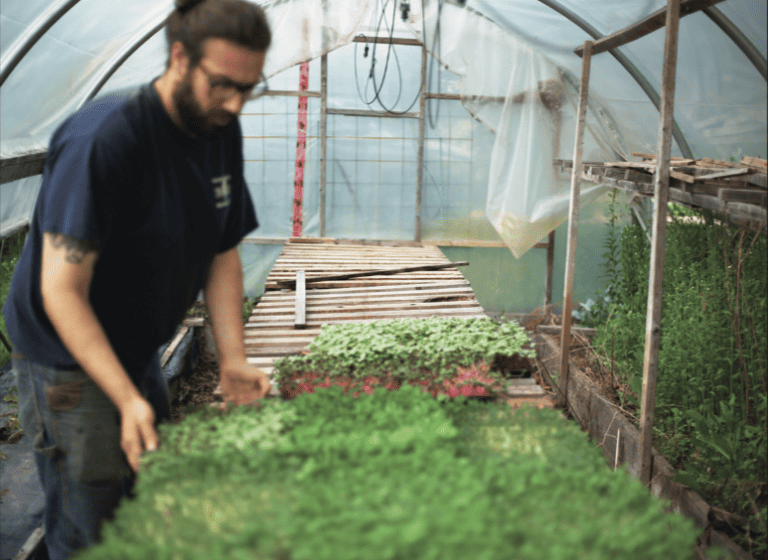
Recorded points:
138,432
149,437
132,449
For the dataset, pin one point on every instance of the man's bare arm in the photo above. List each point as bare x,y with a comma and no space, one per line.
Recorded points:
241,382
75,249
67,271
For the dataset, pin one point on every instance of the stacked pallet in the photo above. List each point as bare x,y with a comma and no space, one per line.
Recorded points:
734,189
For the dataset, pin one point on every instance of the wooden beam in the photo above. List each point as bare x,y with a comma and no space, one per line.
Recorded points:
300,313
758,179
755,162
31,545
365,113
573,223
291,93
721,174
381,242
173,345
656,278
644,27
14,228
384,272
386,41
20,167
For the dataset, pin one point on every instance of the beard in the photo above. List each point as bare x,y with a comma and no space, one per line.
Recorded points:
196,122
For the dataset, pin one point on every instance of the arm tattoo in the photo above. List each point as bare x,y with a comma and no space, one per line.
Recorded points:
77,249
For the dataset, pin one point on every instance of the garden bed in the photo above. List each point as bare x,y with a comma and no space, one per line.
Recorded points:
442,355
391,474
710,417
609,425
398,472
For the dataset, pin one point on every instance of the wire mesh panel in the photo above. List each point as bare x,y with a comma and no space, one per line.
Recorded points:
371,176
457,155
269,147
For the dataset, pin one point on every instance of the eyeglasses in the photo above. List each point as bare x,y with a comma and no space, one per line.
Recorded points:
223,88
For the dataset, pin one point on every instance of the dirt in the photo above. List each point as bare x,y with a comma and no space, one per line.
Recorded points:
196,390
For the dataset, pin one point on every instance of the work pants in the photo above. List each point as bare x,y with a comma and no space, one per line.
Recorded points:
76,431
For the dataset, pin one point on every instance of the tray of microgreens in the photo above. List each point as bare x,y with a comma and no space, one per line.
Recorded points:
443,355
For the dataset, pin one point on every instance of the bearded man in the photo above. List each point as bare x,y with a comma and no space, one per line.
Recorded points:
142,205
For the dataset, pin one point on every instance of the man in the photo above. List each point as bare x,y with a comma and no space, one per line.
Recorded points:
143,204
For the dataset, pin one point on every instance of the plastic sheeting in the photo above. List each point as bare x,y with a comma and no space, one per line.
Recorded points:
493,49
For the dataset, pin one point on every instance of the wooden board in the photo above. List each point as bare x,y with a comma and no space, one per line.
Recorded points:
735,190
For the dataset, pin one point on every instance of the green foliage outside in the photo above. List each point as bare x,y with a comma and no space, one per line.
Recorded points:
10,250
395,474
198,309
711,400
407,348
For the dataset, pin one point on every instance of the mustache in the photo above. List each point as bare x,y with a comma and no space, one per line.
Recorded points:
221,114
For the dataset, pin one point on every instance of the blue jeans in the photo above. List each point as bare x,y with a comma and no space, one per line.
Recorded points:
76,431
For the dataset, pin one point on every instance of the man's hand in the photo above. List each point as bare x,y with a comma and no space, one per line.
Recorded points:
243,383
137,430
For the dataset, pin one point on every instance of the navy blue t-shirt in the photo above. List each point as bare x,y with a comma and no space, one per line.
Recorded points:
158,204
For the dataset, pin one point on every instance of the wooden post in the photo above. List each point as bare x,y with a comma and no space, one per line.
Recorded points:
661,196
550,269
558,116
420,152
323,137
573,222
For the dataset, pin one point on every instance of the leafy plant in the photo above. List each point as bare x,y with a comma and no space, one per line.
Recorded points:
388,475
407,350
10,251
711,407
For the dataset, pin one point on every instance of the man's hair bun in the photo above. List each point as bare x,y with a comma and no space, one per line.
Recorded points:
184,6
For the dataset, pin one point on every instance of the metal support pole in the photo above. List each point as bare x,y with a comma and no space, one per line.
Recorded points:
119,58
420,156
24,43
323,137
661,196
573,222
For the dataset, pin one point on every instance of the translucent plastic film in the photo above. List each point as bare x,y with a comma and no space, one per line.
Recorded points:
525,99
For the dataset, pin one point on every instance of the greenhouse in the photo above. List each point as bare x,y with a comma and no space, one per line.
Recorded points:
508,265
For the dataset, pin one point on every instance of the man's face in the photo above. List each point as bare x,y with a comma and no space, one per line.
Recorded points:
212,93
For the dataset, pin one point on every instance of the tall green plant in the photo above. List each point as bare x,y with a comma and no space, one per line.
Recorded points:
711,388
10,250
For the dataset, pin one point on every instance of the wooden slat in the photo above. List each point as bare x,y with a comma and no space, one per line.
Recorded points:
300,312
394,289
717,162
427,297
758,179
173,345
367,307
644,27
755,162
318,321
756,197
721,174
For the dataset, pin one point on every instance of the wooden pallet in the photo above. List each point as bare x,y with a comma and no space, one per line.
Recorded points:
271,330
737,190
272,333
